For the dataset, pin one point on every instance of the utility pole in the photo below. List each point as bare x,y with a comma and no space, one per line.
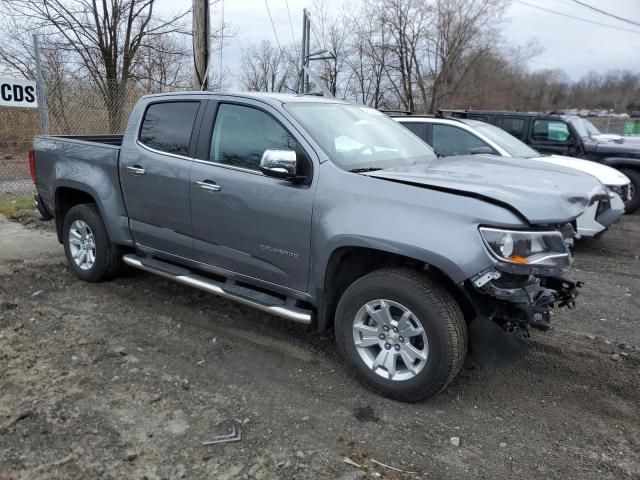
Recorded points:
201,40
303,82
308,57
42,96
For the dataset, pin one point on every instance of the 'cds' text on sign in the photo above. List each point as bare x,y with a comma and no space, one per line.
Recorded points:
18,93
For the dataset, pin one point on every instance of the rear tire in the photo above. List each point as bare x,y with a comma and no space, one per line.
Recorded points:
634,175
425,334
91,255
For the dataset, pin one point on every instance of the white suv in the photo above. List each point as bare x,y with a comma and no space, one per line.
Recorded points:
453,136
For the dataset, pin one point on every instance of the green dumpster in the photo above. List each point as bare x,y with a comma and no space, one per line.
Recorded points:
632,127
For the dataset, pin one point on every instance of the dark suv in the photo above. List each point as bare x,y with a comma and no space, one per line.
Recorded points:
566,135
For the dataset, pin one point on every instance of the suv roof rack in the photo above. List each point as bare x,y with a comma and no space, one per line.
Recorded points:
311,94
464,113
396,112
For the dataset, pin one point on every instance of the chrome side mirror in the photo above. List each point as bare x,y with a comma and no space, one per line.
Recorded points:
279,163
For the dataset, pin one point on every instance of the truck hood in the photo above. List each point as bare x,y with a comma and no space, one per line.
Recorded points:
611,137
607,175
539,192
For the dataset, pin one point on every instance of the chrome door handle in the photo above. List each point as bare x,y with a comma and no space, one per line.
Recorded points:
209,185
136,170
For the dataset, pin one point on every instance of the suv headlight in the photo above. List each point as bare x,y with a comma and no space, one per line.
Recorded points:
623,190
528,250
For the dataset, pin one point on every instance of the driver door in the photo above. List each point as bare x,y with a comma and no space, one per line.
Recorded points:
552,136
243,221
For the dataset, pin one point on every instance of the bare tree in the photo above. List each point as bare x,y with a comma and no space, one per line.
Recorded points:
163,64
333,37
105,37
406,23
367,59
267,69
462,33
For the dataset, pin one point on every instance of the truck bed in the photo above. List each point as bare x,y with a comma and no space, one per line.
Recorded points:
87,163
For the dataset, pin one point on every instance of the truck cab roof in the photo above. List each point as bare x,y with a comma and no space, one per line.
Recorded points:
272,98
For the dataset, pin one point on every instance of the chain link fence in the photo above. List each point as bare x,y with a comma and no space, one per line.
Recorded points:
74,108
609,124
17,128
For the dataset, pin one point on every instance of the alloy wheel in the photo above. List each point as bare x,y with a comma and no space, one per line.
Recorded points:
82,245
390,340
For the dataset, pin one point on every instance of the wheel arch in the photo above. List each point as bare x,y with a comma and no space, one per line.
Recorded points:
348,263
68,193
622,162
68,196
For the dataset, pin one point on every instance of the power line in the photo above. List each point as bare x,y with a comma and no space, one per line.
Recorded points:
274,28
293,36
622,19
578,18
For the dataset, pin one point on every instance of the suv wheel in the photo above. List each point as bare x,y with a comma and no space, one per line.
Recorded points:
91,255
402,333
634,175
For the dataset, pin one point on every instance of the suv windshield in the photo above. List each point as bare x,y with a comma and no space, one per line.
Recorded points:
506,141
591,128
580,126
357,137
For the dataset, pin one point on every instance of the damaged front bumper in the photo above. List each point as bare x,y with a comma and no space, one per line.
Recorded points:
518,302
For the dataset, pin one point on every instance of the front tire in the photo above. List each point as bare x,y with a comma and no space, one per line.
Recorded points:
634,175
402,333
91,255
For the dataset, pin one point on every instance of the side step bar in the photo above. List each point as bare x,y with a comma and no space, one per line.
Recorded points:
261,301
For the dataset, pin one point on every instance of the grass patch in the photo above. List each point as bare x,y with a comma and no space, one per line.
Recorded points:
16,207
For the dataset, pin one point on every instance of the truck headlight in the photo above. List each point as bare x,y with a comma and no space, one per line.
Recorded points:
528,250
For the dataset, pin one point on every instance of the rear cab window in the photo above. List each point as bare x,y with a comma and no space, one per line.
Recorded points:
168,126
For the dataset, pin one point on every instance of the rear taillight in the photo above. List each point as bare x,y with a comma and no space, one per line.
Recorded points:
32,165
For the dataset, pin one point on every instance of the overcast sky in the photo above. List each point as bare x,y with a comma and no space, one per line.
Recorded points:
572,45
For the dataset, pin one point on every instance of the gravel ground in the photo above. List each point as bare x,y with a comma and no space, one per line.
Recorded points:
127,379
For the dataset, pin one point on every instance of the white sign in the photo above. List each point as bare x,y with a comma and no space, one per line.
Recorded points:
18,93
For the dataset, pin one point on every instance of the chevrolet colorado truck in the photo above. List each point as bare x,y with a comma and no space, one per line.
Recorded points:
321,212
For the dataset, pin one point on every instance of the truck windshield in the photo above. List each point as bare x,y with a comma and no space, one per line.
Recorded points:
358,137
506,141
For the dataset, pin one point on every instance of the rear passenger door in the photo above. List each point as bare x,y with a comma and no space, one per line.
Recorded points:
514,126
154,175
244,222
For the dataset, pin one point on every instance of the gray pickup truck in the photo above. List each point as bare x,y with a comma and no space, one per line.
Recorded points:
325,213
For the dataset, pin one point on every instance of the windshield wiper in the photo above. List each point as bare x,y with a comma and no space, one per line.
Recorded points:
365,169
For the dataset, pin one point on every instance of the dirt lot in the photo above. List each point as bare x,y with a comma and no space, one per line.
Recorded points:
126,380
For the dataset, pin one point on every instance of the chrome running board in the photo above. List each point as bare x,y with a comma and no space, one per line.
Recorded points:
261,301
